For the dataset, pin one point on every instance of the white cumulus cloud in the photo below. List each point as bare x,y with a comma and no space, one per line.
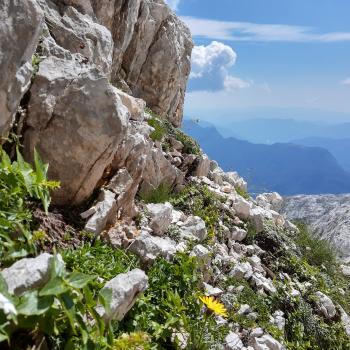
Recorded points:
210,68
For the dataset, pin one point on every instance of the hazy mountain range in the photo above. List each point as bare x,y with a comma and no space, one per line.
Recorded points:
339,148
287,168
282,130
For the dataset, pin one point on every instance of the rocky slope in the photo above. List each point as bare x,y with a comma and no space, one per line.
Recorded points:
144,224
327,215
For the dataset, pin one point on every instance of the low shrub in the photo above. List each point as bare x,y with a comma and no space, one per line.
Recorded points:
159,130
161,194
315,251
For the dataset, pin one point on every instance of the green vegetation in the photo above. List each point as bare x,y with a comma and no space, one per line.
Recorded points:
159,130
101,260
315,251
36,59
161,194
261,304
164,130
55,314
243,193
171,306
19,184
200,201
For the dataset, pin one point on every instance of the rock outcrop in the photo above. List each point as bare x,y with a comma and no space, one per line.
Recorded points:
80,123
18,41
77,120
152,52
327,215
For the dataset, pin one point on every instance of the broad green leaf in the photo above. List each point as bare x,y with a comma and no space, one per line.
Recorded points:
105,297
55,287
32,304
3,286
79,280
25,171
3,337
69,310
40,168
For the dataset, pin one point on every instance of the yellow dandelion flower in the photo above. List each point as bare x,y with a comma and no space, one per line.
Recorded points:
215,306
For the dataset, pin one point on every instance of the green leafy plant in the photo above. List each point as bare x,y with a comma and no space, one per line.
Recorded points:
159,130
64,309
36,59
101,260
132,341
19,184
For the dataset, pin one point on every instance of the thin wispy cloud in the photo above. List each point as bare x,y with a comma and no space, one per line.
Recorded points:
246,31
345,82
173,4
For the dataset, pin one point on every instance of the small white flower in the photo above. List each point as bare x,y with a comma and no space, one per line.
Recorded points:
7,306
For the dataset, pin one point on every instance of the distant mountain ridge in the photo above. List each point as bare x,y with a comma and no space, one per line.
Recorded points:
339,148
270,130
286,168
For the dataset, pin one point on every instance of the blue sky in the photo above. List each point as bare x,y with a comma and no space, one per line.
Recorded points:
268,58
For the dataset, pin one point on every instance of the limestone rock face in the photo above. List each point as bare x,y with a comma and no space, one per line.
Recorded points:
79,34
159,171
327,216
18,40
76,120
152,50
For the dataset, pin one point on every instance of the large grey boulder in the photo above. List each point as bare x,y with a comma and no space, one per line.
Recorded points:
125,288
18,41
194,229
152,50
235,180
76,121
325,305
236,234
345,320
149,247
242,207
160,216
272,201
27,274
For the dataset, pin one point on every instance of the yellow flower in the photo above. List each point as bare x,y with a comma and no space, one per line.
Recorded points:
215,306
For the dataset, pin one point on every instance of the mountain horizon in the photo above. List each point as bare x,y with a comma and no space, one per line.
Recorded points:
287,168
